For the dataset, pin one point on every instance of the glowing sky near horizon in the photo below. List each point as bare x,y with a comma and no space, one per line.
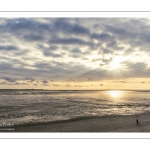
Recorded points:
75,53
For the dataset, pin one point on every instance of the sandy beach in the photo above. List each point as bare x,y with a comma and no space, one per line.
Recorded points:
91,124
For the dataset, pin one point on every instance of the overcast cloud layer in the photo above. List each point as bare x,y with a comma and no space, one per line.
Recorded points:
44,50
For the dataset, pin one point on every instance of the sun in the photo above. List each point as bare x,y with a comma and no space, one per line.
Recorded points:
116,62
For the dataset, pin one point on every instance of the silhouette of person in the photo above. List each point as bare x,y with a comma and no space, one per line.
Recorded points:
137,120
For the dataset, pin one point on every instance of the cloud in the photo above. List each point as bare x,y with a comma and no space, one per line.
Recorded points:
101,36
33,37
29,79
5,66
50,51
17,83
67,41
54,55
80,49
45,81
8,47
135,66
55,85
76,50
63,25
9,79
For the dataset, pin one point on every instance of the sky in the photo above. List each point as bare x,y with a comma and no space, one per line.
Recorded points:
74,53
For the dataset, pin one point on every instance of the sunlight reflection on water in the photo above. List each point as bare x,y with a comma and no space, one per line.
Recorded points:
115,93
61,106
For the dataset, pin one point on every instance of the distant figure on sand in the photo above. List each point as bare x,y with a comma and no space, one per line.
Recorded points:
137,120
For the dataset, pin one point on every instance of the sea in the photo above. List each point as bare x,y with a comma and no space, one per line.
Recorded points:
40,106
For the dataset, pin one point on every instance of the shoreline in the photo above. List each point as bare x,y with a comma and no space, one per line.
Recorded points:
109,123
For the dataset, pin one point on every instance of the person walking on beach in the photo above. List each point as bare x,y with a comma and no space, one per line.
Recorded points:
137,120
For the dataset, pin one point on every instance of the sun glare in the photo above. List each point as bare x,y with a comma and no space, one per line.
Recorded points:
116,62
115,93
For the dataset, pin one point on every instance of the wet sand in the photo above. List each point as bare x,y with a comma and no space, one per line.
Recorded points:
91,124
